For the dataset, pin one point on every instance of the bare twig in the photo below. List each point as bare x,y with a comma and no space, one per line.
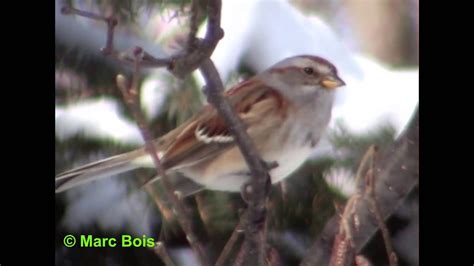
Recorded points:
69,10
343,247
229,246
374,206
398,173
181,64
160,250
256,191
203,211
109,49
164,210
191,60
181,211
364,163
193,28
340,250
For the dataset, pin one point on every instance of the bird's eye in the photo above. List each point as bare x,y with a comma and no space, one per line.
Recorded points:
308,70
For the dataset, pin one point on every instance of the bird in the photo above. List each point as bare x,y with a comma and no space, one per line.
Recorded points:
285,110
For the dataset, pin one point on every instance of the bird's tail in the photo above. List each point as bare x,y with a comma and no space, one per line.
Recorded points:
93,171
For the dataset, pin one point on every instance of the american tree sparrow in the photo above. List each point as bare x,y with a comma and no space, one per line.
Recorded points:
285,109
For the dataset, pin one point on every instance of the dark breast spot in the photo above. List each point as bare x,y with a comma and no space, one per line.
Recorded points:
310,139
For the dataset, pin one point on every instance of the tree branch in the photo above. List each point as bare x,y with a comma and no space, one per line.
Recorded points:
256,191
371,177
160,250
398,174
180,65
229,246
181,210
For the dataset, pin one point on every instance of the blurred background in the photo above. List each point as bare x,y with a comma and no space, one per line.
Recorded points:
374,44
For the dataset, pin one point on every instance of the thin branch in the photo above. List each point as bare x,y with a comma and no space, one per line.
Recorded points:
370,192
256,191
340,251
164,210
161,251
181,211
193,28
69,10
179,65
111,21
191,60
364,163
229,246
398,174
343,247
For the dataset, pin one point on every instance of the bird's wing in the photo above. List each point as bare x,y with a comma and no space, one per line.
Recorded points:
206,135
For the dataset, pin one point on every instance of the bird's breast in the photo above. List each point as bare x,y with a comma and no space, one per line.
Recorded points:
288,161
289,146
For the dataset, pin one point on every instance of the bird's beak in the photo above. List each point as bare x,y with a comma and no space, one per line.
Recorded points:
332,82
